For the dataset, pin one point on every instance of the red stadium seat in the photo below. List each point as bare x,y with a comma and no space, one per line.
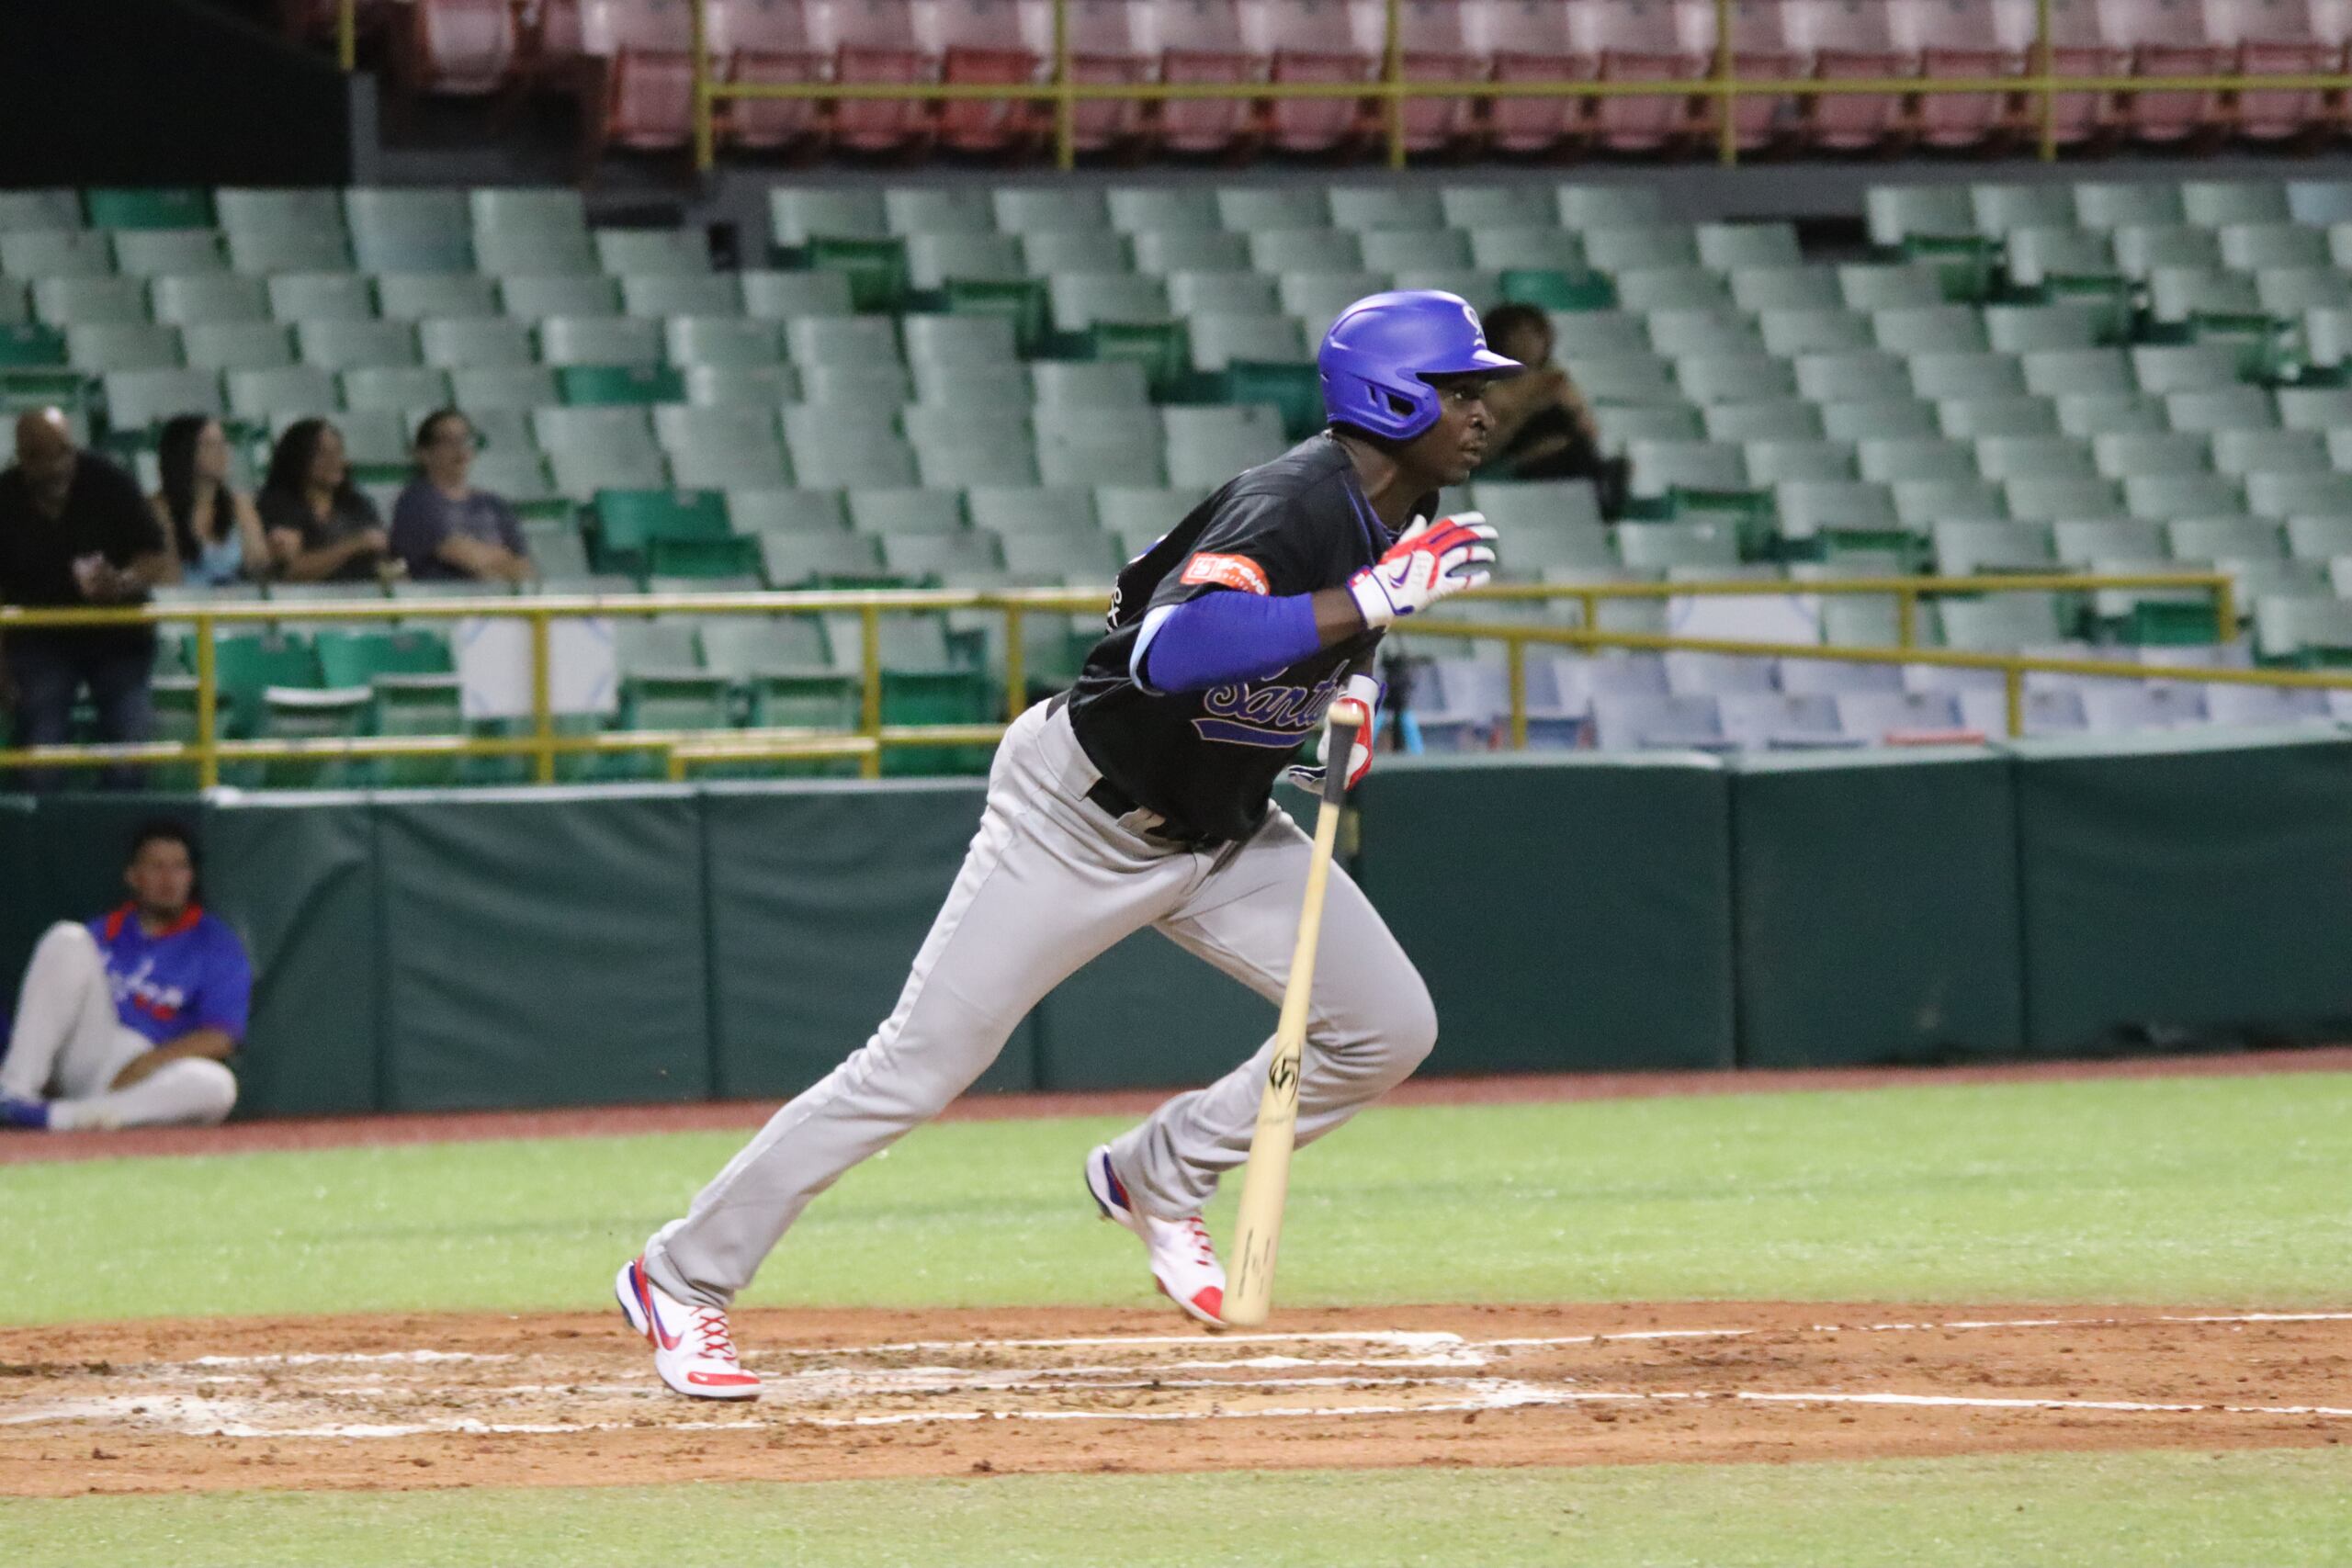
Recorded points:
1639,40
459,48
766,41
1103,51
551,36
2166,38
1308,40
1435,47
874,40
1759,50
980,41
1200,41
648,76
2079,49
1953,39
1531,41
2277,38
1849,39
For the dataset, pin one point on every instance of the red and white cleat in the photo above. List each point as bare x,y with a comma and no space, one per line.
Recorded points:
1183,1263
691,1349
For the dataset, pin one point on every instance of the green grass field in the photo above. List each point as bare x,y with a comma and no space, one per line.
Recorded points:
2209,1192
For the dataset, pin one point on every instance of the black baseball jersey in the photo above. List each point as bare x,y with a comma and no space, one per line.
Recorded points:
1207,761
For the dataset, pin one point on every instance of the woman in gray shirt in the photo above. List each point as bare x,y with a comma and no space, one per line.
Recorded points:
444,528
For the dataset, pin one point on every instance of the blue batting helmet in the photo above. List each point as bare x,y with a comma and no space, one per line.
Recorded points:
1374,357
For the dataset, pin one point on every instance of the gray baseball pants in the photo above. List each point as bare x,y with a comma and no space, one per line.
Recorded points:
1050,882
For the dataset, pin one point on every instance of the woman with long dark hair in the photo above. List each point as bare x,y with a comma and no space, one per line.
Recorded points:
215,532
322,529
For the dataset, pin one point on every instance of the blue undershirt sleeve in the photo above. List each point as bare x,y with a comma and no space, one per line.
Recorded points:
1222,636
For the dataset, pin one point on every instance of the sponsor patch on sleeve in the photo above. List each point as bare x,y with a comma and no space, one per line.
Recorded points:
1227,571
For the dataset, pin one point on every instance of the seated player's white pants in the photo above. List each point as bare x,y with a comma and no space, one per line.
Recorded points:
67,1045
1052,881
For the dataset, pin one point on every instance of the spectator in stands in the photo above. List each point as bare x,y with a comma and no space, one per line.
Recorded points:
322,529
128,1020
215,532
443,528
1543,428
75,533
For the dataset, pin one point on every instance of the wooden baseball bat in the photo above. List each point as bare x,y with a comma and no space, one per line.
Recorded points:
1250,1295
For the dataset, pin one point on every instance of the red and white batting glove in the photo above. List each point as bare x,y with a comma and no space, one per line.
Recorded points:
1429,561
1368,692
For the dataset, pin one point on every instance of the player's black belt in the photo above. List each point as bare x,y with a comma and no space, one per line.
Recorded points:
1121,806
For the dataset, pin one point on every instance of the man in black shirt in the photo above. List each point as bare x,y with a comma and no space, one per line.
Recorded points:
74,533
1141,799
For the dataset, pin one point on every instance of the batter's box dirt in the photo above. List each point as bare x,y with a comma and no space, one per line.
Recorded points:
565,1399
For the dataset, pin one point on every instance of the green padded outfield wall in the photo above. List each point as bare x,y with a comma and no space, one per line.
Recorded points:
1876,899
1570,913
542,949
297,874
2176,887
820,894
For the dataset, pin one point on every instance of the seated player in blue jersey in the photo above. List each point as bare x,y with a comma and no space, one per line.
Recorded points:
128,1020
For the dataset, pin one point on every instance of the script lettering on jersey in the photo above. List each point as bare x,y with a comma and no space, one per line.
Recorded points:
1265,712
139,988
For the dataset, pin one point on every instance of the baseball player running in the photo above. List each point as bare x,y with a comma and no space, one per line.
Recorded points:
1140,797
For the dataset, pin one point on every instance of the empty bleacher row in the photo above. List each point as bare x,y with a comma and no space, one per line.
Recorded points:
632,58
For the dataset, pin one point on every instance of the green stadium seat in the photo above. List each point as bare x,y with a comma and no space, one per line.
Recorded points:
2036,255
2086,414
799,557
57,253
527,208
1775,461
320,297
1970,419
628,523
148,207
2119,204
599,341
1026,209
1390,252
25,346
2221,408
956,464
880,389
797,215
236,345
1525,248
2033,457
635,253
772,509
169,252
1875,288
950,559
556,549
1013,510
2270,452
345,345
1074,250
58,208
1653,546
1999,622
426,296
1659,467
840,448
905,510
2121,457
1000,385
600,384
933,259
505,252
292,391
2067,493
1253,208
1159,253
580,473
2319,538
1470,207
783,296
195,300
137,400
728,341
2224,538
1665,289
90,302
1999,209
924,209
1894,459
2286,293
413,387
1378,208
1810,507
475,345
1966,374
1137,515
682,294
1789,333
1921,504
2298,495
479,390
1895,212
1973,548
536,298
1158,209
2161,497
408,229
104,346
1768,418
2215,204
2078,541
1091,557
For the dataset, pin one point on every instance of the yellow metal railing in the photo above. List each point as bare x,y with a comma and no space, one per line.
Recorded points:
681,750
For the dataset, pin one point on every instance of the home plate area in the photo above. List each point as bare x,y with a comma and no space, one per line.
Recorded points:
548,1399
